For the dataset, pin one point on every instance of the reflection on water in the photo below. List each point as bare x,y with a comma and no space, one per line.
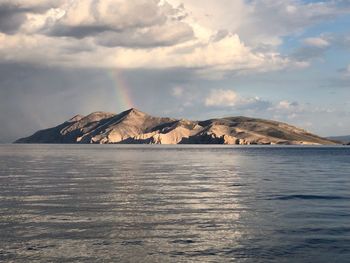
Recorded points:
174,204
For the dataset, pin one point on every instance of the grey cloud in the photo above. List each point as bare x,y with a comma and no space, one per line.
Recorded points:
276,18
342,82
13,13
308,53
342,41
74,31
133,38
220,35
11,19
152,37
158,25
256,105
333,41
30,6
121,19
247,104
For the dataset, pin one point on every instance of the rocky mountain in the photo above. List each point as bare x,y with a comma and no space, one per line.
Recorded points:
136,127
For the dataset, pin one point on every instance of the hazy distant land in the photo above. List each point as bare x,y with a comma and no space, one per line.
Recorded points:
136,127
343,139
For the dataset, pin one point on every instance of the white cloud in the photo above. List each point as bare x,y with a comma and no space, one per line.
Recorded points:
221,98
286,105
230,99
227,54
206,37
347,71
317,42
112,14
262,22
177,91
287,110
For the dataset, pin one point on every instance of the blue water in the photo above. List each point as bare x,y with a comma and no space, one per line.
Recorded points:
109,203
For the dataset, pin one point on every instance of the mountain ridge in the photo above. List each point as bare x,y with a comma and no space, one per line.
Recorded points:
136,127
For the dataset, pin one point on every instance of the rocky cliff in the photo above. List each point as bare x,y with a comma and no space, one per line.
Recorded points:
136,127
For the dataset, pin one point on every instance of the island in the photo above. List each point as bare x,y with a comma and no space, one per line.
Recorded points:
136,127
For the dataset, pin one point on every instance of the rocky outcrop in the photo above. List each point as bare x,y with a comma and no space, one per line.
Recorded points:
136,127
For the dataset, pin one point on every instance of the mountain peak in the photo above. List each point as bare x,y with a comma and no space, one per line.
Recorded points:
134,111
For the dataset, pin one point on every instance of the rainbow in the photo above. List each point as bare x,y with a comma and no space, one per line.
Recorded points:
121,89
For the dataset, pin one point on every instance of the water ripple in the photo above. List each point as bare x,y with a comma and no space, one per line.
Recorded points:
92,203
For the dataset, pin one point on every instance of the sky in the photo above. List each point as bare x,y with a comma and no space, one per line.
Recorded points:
286,60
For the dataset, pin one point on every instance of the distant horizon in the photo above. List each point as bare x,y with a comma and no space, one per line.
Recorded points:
283,60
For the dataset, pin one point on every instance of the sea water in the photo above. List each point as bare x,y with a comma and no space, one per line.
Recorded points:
113,203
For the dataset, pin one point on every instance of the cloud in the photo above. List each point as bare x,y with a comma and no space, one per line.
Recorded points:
227,98
317,46
227,54
177,92
313,48
341,41
316,42
287,105
263,23
83,18
13,13
221,98
87,18
227,102
213,39
157,36
271,20
168,34
346,72
113,15
28,6
11,19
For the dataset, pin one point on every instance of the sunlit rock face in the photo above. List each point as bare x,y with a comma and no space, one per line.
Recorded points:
136,127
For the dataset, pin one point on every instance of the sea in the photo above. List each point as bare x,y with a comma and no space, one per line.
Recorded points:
151,203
